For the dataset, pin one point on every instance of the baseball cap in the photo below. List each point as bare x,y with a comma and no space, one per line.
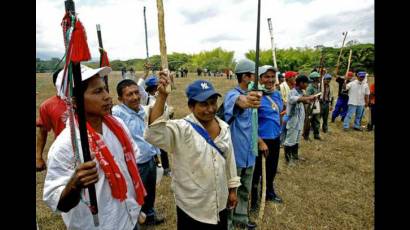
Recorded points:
290,74
245,66
265,69
200,90
327,77
151,81
361,74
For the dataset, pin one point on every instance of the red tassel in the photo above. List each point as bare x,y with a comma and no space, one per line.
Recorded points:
104,59
79,51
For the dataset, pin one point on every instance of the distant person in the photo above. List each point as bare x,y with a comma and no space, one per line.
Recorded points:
52,116
326,102
204,178
358,98
186,72
123,72
287,85
238,105
343,97
295,112
199,72
313,110
372,105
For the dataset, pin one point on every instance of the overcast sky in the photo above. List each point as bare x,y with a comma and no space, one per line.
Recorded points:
195,25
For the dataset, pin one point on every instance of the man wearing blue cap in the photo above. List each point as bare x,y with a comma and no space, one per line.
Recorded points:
150,85
358,98
326,99
134,116
204,171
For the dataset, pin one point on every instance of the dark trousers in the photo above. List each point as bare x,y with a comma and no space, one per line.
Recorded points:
340,108
314,122
164,159
148,174
186,222
271,167
324,113
372,114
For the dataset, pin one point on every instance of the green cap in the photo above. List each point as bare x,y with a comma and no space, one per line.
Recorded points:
314,75
245,66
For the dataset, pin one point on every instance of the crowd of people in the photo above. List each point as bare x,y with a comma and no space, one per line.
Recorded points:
215,170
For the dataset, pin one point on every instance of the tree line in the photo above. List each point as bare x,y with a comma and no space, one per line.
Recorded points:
218,59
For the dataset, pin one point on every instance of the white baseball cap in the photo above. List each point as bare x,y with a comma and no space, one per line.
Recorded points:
86,73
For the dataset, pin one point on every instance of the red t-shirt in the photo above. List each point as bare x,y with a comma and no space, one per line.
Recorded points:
372,95
52,115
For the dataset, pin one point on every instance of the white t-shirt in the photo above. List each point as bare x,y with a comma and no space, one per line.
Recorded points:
357,91
112,213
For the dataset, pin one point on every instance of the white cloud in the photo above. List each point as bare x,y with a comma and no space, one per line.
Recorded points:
196,25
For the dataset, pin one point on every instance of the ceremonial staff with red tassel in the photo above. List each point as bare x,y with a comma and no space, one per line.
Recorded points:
77,51
103,54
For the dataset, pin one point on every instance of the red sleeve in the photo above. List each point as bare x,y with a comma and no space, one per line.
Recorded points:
43,118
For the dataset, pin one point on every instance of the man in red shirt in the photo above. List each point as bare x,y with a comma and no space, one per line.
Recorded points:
51,116
372,104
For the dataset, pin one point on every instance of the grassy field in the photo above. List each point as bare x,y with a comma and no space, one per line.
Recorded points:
332,189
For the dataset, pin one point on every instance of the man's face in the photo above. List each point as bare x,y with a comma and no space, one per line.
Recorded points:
292,81
303,85
248,78
131,97
281,80
327,81
268,79
360,79
97,101
205,111
349,77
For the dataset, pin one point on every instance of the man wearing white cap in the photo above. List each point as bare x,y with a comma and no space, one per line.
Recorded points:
113,153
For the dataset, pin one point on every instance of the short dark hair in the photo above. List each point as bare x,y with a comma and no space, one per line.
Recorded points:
302,79
124,83
239,76
55,75
151,88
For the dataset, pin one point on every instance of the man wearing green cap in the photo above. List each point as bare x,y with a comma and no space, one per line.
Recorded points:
313,110
326,101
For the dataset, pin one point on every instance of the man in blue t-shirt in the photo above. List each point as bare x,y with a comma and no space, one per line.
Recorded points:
269,130
238,103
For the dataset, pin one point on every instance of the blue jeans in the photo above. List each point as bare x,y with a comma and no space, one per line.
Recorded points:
340,108
148,174
358,110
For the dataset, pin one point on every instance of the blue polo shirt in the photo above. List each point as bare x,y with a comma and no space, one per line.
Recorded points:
269,118
241,129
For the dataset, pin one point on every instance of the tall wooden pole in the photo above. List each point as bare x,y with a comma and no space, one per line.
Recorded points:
340,54
348,64
162,43
273,49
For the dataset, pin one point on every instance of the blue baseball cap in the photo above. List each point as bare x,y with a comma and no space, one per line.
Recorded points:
361,74
327,77
151,81
200,90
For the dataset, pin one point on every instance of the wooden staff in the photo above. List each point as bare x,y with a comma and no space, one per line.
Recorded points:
340,54
162,43
348,64
273,48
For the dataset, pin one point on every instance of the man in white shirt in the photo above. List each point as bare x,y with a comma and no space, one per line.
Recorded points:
112,150
358,98
204,171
